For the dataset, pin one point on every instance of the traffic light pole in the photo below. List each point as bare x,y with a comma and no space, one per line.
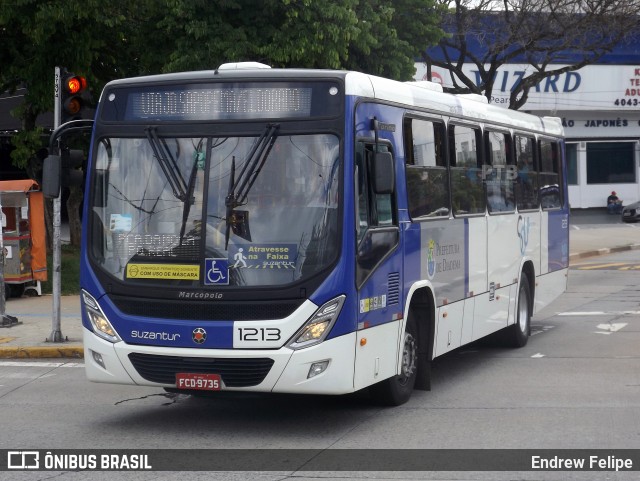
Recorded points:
56,330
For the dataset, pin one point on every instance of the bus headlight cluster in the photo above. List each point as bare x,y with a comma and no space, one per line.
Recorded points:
101,325
319,325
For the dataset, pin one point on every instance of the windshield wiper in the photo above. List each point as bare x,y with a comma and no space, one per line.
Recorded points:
190,199
168,164
239,189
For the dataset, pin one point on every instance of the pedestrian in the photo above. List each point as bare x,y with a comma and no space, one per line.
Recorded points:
614,204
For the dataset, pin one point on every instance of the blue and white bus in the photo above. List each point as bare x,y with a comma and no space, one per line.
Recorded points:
311,231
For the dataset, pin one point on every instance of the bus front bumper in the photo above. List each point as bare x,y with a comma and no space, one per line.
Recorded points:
111,363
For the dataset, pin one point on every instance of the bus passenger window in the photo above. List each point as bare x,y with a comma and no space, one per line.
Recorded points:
467,191
550,192
527,180
426,169
499,174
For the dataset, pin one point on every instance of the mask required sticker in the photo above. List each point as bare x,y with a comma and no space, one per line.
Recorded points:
163,271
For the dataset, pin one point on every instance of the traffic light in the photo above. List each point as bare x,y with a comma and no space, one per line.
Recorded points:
74,96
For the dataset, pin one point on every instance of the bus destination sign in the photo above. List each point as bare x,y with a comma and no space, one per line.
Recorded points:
218,102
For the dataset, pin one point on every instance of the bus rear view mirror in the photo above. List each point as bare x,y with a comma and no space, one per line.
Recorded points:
51,177
383,173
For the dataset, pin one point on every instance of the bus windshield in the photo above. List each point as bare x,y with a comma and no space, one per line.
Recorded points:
161,213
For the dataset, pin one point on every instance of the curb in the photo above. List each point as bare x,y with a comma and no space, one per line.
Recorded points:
603,251
38,352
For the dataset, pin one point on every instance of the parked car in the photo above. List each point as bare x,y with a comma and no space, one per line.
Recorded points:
631,212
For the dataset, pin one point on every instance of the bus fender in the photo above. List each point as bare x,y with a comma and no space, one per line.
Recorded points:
527,267
421,303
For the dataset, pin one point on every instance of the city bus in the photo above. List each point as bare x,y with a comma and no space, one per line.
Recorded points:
311,231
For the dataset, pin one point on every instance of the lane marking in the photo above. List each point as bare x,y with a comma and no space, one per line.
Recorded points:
602,266
537,356
610,327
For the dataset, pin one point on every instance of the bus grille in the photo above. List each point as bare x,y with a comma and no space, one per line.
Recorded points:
234,372
202,310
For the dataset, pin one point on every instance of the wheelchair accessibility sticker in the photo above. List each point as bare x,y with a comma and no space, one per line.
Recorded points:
216,271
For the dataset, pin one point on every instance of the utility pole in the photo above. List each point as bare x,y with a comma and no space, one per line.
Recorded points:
56,330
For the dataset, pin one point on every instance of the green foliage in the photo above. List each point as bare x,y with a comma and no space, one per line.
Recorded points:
69,272
382,37
26,142
392,35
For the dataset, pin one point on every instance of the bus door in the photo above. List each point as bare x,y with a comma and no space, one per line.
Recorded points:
378,268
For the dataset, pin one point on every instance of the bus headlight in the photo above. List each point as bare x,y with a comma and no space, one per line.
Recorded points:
319,325
101,325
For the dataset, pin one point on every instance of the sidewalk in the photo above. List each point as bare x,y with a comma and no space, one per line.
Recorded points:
592,233
28,339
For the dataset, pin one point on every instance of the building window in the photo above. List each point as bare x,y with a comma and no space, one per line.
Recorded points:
571,152
610,163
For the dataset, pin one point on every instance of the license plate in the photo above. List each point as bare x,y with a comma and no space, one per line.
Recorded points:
201,382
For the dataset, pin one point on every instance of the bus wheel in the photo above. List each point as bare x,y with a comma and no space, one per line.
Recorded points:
397,389
517,335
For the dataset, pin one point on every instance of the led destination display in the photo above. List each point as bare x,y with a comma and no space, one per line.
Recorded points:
222,101
213,103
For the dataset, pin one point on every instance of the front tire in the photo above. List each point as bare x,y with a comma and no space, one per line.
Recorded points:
518,334
398,389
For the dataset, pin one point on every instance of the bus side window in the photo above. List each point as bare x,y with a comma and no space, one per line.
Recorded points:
527,180
362,193
374,210
550,192
499,173
426,168
467,191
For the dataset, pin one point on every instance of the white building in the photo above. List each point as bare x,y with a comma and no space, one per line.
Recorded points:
600,109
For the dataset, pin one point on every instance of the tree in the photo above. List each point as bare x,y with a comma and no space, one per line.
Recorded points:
381,37
540,33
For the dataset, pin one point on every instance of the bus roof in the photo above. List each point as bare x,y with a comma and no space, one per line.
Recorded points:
412,94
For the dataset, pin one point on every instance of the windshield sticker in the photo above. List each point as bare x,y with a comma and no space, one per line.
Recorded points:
216,271
120,223
263,256
163,271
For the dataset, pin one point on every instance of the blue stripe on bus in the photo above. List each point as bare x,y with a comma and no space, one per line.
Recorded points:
558,241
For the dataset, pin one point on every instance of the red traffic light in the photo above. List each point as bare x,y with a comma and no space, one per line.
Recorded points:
74,96
75,84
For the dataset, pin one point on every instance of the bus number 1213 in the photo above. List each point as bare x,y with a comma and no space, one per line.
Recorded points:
259,334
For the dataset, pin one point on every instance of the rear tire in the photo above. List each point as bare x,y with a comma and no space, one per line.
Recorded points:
518,334
398,389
